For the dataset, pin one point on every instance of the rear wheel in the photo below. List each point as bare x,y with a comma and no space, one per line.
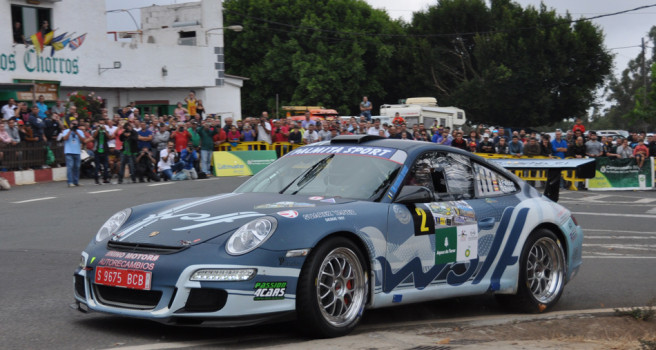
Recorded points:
332,289
541,275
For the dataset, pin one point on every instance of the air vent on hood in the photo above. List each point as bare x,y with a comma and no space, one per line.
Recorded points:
144,248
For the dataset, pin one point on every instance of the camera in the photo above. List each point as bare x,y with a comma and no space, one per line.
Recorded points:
181,129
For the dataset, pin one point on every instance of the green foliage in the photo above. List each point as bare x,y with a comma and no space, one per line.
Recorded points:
89,106
647,344
501,63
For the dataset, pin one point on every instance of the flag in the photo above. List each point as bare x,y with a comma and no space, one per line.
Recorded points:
58,38
48,38
37,41
77,42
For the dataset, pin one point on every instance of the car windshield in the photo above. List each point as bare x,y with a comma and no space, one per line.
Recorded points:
333,175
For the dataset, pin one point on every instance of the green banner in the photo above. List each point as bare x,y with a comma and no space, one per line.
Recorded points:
622,174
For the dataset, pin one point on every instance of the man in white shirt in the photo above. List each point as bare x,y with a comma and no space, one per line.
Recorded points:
9,110
111,133
264,129
311,135
375,130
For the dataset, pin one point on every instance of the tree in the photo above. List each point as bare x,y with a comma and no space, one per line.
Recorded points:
310,52
507,65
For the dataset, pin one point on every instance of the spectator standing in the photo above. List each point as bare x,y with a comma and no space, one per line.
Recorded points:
58,108
234,136
376,128
651,144
37,125
444,139
546,149
180,113
249,134
295,136
307,121
72,113
228,124
485,146
558,145
130,140
101,152
311,136
19,38
14,133
73,139
52,128
594,148
532,148
459,141
324,133
501,134
160,139
181,137
9,110
206,133
624,150
200,110
577,150
501,147
192,104
516,148
43,107
145,136
264,128
365,108
280,133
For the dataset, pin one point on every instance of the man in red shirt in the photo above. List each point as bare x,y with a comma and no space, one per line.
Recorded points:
280,133
181,137
578,125
220,137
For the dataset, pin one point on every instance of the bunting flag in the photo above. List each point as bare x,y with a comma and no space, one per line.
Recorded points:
58,38
77,42
37,41
48,38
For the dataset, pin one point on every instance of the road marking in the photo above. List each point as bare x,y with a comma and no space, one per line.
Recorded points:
105,191
595,198
614,214
161,184
618,231
646,200
619,237
34,200
172,345
651,211
647,247
618,257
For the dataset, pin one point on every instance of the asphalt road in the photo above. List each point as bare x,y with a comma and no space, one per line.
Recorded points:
44,227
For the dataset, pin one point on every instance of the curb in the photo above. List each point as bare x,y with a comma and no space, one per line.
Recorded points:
30,177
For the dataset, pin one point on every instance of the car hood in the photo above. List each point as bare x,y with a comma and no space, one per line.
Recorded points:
193,221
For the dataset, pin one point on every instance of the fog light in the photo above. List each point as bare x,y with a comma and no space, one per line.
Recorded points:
223,275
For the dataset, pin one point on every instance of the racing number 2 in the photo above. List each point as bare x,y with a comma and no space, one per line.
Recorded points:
424,222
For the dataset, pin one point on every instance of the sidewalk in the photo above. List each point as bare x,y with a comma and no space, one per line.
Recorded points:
567,330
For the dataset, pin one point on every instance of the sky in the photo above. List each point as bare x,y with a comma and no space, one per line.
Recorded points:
623,32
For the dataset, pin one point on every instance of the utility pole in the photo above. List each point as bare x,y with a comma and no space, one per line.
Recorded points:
644,74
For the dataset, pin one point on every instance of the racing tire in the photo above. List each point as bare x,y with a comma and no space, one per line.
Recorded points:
332,289
542,272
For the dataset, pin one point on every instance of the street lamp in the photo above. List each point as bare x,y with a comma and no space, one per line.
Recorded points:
234,28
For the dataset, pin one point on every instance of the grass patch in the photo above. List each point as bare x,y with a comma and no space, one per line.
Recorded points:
646,313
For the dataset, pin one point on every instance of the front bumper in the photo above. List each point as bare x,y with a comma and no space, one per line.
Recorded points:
231,303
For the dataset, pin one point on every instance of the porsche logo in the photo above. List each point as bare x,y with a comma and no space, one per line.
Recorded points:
153,234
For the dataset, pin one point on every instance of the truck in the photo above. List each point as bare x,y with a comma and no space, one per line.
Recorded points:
425,110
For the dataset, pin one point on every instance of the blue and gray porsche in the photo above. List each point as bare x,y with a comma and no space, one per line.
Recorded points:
329,231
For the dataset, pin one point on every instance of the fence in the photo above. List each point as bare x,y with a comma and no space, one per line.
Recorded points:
29,155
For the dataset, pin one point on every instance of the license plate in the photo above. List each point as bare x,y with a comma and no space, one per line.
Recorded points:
134,279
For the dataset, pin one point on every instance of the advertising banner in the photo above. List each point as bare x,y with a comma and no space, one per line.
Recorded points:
241,163
622,174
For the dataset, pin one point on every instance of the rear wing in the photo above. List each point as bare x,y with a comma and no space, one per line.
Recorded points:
585,168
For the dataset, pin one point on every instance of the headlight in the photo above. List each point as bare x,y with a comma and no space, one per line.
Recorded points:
251,235
113,224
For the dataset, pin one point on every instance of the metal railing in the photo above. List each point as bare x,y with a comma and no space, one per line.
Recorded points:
29,155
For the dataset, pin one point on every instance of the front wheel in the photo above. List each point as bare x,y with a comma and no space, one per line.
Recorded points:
541,275
332,289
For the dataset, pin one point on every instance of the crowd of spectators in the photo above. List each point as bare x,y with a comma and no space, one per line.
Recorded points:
179,146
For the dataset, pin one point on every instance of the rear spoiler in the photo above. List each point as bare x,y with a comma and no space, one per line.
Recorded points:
585,168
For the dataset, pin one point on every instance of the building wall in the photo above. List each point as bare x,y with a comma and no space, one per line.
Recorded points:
161,70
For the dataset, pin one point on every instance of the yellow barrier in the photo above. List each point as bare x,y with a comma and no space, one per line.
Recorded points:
252,146
537,175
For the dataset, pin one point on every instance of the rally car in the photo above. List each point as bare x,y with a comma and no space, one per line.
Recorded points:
329,231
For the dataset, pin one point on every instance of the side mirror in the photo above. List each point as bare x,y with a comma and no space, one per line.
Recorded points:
414,194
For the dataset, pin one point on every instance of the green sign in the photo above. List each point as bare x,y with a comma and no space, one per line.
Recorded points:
622,174
446,245
241,163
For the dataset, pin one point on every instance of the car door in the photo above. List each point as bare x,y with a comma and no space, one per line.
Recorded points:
445,243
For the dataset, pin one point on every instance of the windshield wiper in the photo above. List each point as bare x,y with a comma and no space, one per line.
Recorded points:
378,192
309,174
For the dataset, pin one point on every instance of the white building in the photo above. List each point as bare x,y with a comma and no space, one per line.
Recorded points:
179,48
